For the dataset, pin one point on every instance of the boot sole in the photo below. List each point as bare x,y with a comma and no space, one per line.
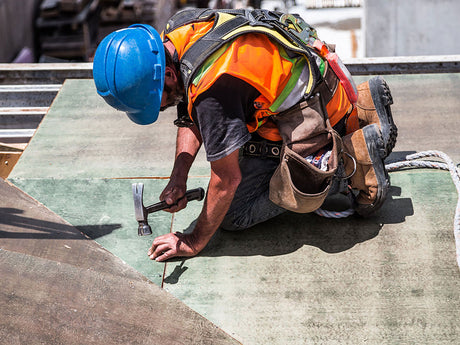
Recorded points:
376,150
381,96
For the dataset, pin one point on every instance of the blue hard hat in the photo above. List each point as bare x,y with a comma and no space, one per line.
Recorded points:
129,72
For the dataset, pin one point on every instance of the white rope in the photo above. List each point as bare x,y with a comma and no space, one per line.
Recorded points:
416,164
412,162
454,172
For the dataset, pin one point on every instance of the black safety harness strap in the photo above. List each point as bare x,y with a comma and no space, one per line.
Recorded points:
262,148
197,54
253,21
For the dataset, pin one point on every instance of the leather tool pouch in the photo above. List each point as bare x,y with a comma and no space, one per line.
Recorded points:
297,185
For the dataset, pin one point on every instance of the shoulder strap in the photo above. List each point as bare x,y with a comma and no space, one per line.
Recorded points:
228,25
187,16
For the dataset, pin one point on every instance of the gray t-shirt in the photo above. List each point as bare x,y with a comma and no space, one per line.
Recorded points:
221,114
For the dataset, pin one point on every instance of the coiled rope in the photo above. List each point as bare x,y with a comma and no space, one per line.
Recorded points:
412,161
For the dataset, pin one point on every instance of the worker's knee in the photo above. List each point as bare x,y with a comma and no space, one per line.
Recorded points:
232,222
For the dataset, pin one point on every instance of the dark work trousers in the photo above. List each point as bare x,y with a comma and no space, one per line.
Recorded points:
251,204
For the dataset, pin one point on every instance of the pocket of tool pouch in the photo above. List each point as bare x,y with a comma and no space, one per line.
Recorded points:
297,185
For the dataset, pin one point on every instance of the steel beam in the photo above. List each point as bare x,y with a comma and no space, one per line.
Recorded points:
53,73
44,73
404,65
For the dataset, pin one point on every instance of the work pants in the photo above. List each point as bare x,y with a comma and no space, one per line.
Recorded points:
251,204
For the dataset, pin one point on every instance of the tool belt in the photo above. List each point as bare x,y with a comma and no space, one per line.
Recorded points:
262,148
297,185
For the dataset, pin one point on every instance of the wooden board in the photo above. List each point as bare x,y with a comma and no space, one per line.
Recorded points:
7,162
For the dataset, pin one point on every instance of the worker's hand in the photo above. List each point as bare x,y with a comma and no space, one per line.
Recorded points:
171,245
174,194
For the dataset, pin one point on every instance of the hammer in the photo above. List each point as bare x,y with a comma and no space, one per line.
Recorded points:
141,212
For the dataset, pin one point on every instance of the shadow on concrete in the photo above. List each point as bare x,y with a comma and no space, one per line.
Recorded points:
96,231
15,225
173,278
397,156
291,231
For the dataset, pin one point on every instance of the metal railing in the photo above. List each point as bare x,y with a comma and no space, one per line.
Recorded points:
26,93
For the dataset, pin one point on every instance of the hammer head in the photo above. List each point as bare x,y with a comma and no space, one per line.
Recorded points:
140,211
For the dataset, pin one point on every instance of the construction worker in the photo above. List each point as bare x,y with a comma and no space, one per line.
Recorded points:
234,96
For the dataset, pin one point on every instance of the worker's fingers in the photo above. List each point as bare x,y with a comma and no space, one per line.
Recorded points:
171,197
156,242
181,204
159,241
164,256
177,201
173,194
171,245
158,251
165,193
163,247
172,209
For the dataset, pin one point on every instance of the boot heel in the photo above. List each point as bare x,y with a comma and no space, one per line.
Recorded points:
382,98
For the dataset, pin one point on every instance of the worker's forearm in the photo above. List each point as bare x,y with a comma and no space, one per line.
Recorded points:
215,207
188,143
219,197
225,178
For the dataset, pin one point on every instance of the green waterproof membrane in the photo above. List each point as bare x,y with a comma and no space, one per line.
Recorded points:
296,279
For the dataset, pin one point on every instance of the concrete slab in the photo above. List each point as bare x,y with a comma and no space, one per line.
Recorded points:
55,303
59,287
390,279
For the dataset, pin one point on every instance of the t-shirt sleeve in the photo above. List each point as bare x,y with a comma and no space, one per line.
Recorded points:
221,114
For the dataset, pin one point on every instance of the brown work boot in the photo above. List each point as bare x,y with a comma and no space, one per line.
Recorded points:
363,158
374,100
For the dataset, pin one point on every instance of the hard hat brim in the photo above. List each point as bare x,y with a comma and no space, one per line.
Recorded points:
146,116
129,72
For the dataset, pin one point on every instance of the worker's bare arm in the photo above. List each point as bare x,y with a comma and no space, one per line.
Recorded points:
225,178
188,143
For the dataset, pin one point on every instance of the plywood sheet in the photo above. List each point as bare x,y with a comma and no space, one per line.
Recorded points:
28,227
303,279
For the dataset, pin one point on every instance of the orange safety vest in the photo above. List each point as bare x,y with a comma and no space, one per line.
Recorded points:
263,64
